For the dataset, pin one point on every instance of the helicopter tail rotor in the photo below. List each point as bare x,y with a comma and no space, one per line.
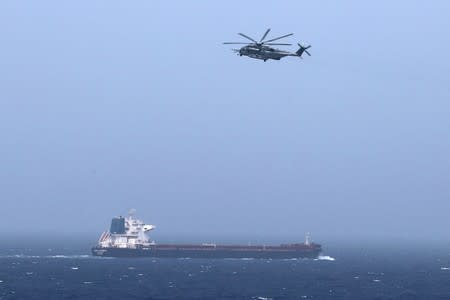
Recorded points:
302,50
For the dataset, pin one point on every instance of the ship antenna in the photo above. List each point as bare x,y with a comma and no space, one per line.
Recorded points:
131,212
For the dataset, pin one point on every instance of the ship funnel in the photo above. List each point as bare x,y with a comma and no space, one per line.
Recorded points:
117,225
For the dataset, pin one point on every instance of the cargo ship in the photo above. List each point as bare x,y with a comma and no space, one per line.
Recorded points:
129,237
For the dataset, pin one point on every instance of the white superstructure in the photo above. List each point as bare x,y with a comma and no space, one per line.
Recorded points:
126,232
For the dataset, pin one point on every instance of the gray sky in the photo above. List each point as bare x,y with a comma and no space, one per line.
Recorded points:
108,105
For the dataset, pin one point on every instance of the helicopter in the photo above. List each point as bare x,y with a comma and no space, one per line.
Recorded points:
261,49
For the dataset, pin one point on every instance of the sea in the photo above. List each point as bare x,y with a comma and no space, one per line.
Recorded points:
352,272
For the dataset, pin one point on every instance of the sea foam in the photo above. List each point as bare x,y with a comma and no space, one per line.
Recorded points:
325,257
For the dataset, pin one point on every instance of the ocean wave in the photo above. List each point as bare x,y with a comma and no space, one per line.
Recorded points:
76,256
325,257
69,256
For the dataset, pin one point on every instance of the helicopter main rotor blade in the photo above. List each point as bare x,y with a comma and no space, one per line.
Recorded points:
236,43
281,37
277,44
247,37
264,36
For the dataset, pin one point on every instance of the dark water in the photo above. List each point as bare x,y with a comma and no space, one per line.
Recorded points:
354,274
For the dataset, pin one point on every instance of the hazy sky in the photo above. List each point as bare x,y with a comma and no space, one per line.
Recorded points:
111,105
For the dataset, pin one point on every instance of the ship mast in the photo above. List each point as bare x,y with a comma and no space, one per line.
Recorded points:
307,239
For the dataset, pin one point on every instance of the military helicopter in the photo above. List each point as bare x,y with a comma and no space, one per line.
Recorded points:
262,50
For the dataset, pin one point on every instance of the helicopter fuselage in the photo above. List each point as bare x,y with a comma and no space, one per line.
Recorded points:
264,52
262,49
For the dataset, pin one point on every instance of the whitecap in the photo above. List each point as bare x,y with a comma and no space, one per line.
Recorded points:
48,256
69,256
19,256
445,268
325,257
74,268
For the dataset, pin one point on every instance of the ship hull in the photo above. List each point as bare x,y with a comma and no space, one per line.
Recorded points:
312,252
